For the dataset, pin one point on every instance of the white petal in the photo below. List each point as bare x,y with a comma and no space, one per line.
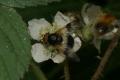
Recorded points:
35,26
86,19
90,12
110,35
115,30
58,58
39,53
61,20
77,44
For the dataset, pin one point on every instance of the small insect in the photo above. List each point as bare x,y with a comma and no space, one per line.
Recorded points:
106,27
56,42
99,24
103,24
63,42
76,25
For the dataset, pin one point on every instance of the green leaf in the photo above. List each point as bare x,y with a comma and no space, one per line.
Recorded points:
24,3
14,45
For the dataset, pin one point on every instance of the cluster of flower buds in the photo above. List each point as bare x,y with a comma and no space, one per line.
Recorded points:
64,36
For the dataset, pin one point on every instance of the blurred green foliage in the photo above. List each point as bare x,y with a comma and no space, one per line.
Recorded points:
113,7
14,45
24,3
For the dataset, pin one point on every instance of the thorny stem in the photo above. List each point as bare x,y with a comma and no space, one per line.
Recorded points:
106,57
66,70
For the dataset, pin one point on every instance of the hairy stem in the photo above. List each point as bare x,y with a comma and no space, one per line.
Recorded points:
66,70
105,59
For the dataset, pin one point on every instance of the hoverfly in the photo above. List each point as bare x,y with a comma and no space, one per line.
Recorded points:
99,24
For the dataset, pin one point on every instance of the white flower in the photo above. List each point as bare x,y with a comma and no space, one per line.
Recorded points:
42,51
40,54
92,15
100,24
91,12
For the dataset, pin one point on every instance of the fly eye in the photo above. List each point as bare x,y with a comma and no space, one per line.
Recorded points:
101,28
54,39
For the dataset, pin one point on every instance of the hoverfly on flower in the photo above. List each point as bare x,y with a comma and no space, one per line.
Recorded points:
98,24
55,41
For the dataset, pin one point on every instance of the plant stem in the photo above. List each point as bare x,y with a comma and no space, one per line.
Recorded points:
55,71
38,73
106,57
66,70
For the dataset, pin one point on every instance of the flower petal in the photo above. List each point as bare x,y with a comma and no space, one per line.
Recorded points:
61,20
90,12
35,26
58,58
110,35
77,44
39,53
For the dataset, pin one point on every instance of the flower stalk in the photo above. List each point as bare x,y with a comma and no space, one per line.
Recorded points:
66,70
106,57
37,72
